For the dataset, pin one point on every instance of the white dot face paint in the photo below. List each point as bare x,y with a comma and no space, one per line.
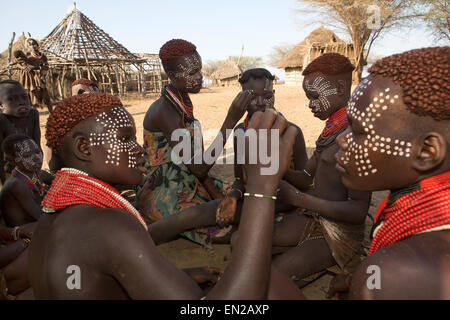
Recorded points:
263,92
375,141
113,120
190,66
324,89
28,155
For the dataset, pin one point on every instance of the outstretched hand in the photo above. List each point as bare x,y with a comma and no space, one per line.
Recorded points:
226,211
239,105
274,134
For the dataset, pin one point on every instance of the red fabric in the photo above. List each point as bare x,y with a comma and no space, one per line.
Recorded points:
418,211
336,122
70,189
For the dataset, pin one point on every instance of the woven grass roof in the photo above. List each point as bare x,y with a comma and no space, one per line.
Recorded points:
319,38
20,44
228,69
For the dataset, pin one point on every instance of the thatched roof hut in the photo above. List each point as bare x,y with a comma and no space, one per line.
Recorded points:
227,73
78,48
320,41
20,44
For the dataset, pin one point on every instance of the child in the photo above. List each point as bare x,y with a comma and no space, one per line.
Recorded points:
90,227
17,118
21,196
83,86
260,82
331,230
13,261
399,123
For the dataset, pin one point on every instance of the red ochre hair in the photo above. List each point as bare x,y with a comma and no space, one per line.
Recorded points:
423,75
86,82
71,111
329,64
175,49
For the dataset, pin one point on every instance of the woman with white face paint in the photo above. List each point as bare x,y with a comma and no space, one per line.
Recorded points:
172,186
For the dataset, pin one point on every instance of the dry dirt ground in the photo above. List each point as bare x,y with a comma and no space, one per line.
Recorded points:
210,107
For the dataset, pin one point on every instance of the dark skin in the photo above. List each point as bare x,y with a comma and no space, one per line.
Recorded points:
413,268
17,117
161,116
263,98
88,236
13,257
329,197
18,203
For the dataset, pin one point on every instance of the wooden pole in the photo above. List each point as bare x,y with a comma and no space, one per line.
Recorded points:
10,47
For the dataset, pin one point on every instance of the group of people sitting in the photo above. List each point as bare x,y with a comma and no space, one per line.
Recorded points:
285,228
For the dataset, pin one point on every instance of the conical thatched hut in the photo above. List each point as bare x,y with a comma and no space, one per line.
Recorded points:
320,41
227,74
77,48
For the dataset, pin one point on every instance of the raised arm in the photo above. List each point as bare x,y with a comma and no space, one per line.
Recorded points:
145,274
247,275
169,121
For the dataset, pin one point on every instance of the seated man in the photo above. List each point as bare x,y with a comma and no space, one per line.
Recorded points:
259,81
331,229
399,123
17,117
83,86
21,196
89,227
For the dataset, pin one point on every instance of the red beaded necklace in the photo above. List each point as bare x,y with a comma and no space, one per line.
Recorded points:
71,187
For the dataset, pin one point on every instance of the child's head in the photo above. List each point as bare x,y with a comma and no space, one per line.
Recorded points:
83,86
94,133
14,100
22,152
183,65
327,83
399,120
33,44
260,81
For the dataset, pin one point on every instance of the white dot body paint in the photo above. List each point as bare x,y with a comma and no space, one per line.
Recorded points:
190,63
372,141
324,89
32,162
110,138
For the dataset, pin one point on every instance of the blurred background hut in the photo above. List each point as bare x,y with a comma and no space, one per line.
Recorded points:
227,74
77,48
320,41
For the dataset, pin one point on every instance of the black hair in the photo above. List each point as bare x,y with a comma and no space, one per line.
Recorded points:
13,82
10,141
256,73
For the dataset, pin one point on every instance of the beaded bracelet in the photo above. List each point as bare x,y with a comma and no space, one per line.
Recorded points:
14,233
260,196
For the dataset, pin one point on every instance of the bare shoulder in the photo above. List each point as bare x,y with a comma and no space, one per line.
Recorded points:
158,109
409,269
